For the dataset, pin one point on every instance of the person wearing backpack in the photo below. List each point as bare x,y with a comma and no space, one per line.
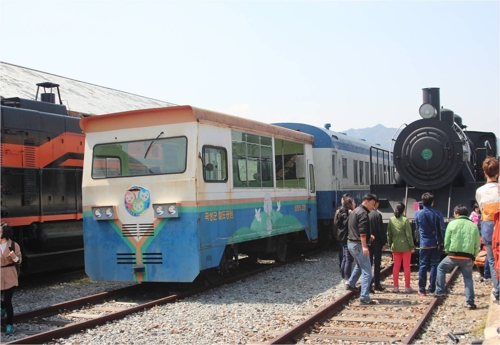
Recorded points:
10,257
342,222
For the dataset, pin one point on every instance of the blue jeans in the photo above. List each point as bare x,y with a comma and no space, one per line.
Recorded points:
362,266
428,258
491,263
446,266
346,265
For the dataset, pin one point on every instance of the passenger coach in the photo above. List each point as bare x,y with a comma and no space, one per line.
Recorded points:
170,192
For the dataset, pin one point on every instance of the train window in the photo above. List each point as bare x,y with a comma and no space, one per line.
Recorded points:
344,167
355,168
333,165
312,183
252,160
367,173
290,164
361,172
214,164
140,158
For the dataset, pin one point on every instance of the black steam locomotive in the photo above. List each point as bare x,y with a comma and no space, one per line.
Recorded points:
436,154
41,176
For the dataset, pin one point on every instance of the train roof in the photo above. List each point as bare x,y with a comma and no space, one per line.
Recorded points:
325,138
182,114
79,97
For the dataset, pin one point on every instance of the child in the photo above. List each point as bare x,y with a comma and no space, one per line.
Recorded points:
475,215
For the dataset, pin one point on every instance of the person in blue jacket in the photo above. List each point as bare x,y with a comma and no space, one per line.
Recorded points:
430,225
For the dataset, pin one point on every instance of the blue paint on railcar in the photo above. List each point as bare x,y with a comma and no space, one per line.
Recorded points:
324,138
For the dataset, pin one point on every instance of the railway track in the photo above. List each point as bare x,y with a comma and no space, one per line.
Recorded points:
67,318
396,318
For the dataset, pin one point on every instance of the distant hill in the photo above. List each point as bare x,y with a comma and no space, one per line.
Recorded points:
378,134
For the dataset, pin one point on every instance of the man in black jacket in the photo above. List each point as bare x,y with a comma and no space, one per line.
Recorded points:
378,239
357,243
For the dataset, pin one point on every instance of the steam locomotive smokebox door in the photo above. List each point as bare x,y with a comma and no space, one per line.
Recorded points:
428,154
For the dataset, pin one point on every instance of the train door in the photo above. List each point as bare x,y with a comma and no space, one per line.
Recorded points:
311,207
335,180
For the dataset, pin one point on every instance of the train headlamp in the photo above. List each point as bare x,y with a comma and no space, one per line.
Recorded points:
104,212
166,210
109,212
159,210
427,111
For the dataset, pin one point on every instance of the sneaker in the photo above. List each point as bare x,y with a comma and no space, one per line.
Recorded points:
3,312
471,306
10,330
439,295
409,290
395,289
422,293
379,288
351,288
366,302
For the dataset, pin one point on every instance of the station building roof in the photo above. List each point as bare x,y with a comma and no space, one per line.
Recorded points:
81,98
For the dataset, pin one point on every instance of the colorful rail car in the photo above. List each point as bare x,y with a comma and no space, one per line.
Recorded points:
343,165
41,173
171,192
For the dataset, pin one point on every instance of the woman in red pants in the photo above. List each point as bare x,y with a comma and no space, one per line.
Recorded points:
401,244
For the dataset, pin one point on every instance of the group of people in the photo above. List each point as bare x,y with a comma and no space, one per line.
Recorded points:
360,232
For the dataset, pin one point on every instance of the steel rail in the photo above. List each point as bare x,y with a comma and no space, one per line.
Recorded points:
73,328
289,336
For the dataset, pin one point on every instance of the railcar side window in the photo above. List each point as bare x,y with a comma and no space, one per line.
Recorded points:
290,164
140,158
214,164
344,167
334,170
355,168
361,172
312,182
367,172
252,160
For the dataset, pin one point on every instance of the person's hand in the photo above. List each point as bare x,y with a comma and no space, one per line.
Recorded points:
413,250
12,255
383,248
366,252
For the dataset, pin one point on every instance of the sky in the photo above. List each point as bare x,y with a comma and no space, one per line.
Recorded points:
354,64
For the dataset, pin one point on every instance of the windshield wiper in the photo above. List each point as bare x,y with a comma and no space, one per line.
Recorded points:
152,142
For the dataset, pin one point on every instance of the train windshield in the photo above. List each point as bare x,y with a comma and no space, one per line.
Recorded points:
140,158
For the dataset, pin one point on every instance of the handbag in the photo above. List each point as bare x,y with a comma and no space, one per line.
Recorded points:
480,258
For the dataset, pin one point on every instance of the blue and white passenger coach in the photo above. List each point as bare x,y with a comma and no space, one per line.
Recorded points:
170,192
343,165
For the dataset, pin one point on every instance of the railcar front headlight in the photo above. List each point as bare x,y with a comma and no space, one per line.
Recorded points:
104,212
109,212
159,210
170,210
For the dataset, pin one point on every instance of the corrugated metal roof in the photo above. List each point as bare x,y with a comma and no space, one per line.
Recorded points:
78,96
